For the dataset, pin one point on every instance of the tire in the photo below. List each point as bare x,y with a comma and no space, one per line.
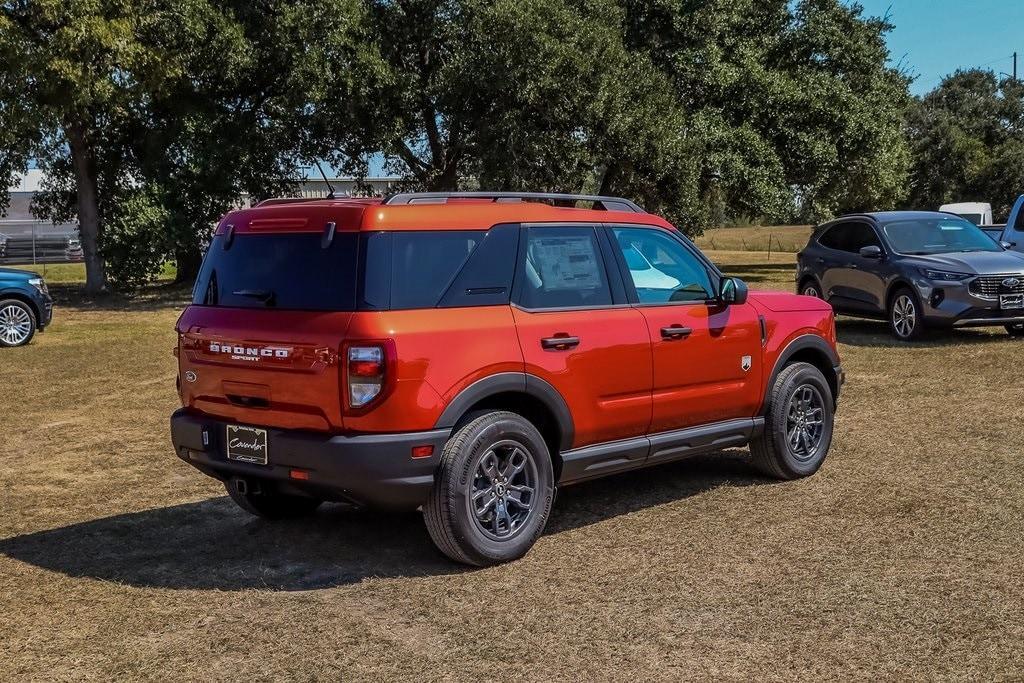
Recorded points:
811,288
774,453
905,318
17,323
478,514
1016,330
270,504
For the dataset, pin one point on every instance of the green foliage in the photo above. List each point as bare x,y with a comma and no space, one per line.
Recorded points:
154,117
967,137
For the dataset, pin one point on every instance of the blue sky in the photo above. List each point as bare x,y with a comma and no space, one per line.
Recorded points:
934,38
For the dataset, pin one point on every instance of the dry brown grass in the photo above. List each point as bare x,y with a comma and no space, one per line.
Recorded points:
900,559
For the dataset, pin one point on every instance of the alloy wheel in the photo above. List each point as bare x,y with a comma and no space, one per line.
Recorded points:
904,316
15,324
811,290
805,422
503,492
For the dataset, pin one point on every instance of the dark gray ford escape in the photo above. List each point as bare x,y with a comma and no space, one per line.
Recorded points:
916,269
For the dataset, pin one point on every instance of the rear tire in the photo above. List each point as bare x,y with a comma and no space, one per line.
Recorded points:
17,323
1016,330
798,426
905,317
493,491
270,504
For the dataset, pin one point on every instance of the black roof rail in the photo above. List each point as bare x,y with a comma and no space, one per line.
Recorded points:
607,203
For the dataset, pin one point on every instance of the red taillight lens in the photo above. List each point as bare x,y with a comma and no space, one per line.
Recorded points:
366,369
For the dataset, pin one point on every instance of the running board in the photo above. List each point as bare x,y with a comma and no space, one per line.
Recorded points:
601,459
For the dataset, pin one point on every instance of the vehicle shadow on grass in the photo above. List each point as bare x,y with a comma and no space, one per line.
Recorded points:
212,545
876,334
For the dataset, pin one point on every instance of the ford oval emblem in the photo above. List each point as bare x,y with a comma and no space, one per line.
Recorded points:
1011,283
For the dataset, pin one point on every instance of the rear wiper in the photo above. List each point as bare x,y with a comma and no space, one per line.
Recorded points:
265,295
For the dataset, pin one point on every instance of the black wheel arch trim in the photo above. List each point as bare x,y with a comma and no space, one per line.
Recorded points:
512,382
803,343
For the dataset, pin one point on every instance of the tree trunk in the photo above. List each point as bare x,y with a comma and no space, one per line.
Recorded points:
89,226
189,258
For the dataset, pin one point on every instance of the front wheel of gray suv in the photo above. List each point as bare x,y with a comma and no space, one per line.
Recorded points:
1016,330
906,319
798,424
493,491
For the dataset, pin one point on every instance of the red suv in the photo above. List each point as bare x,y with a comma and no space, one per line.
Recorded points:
468,353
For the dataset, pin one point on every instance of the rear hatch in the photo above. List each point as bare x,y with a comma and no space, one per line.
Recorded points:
260,344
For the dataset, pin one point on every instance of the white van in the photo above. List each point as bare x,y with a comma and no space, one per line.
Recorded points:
979,213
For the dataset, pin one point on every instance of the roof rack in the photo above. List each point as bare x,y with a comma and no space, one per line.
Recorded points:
606,203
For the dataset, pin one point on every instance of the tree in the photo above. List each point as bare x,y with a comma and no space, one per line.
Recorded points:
792,103
967,137
73,71
518,95
157,116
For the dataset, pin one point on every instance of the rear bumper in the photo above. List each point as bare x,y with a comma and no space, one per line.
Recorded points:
370,469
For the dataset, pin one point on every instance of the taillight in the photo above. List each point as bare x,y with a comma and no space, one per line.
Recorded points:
366,371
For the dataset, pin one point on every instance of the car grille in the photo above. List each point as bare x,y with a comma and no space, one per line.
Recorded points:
991,286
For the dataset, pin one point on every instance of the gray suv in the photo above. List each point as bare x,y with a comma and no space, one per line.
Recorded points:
916,269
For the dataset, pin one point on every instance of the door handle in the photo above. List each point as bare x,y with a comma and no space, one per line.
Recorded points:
675,332
560,342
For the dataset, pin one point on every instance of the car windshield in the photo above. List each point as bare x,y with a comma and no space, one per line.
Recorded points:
944,235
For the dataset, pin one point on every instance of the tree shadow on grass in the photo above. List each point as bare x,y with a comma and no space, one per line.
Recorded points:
213,545
152,297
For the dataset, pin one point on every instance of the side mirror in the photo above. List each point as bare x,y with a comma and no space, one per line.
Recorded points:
871,251
1007,245
733,291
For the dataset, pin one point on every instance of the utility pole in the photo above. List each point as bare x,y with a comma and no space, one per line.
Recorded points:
1014,67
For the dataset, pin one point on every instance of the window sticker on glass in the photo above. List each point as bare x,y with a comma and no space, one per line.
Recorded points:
567,262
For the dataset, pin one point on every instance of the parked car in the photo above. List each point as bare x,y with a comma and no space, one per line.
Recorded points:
1013,233
467,353
25,306
916,269
979,213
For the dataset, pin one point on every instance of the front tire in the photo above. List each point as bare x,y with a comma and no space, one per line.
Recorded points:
269,504
1016,330
17,323
798,427
493,491
905,317
811,288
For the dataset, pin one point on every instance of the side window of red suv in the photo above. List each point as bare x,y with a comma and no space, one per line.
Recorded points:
662,269
563,268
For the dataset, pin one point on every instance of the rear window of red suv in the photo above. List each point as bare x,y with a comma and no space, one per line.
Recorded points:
292,271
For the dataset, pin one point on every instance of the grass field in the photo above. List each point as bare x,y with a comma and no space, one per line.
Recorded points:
901,559
783,238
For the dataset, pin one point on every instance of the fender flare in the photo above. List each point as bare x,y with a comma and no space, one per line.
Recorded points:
512,382
796,345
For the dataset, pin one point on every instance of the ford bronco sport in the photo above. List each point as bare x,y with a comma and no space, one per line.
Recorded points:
468,353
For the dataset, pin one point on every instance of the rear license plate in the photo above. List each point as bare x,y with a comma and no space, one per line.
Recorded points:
1009,302
247,444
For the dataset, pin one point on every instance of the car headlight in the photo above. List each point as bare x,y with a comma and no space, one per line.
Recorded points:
944,275
40,284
